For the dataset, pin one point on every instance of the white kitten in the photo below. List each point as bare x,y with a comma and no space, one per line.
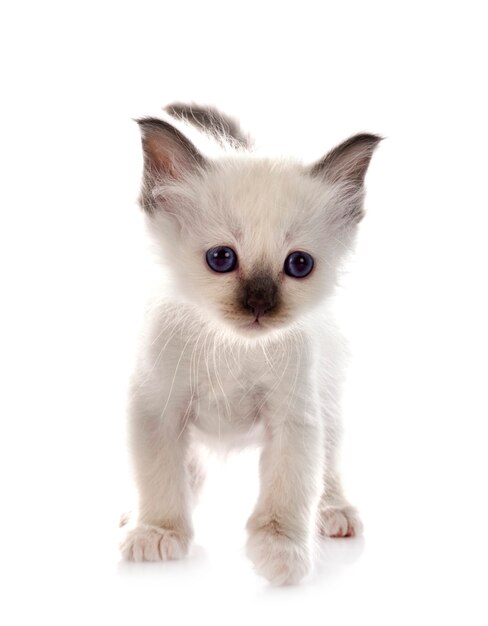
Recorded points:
241,348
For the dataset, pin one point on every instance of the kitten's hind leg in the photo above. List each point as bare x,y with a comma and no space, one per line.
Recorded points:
336,517
196,467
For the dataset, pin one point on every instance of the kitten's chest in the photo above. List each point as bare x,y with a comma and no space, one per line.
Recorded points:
229,394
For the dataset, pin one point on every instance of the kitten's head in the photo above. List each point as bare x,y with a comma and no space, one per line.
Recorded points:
254,243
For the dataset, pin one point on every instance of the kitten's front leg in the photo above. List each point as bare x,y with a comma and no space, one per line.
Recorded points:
281,527
159,450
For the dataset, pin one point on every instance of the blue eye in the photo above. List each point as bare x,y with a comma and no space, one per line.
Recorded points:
298,264
221,259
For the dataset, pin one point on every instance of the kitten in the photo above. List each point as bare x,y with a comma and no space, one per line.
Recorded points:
241,349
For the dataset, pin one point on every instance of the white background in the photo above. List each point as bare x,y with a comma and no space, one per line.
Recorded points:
302,77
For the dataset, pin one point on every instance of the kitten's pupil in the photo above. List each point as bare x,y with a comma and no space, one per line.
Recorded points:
298,264
221,259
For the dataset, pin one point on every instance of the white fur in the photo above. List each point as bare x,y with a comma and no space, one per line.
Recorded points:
204,375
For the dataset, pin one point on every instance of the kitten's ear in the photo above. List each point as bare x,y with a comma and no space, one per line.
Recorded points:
168,157
346,165
349,161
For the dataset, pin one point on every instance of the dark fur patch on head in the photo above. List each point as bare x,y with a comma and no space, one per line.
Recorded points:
220,126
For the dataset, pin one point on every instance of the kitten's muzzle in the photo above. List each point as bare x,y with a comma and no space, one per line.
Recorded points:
260,295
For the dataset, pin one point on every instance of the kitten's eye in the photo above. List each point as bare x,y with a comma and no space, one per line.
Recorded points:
298,264
221,259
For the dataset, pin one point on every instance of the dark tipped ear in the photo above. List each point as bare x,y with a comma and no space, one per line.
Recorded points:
168,155
347,165
166,150
349,161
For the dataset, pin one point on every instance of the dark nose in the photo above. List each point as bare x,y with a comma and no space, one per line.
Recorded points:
258,306
260,295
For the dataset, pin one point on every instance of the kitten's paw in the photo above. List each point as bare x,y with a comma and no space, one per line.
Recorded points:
339,521
151,543
279,558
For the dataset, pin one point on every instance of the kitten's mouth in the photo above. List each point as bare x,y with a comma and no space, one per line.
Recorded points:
257,324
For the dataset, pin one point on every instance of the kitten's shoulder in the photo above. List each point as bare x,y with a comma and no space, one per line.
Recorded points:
165,312
325,335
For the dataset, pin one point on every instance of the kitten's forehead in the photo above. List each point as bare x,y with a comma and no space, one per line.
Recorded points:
259,198
263,209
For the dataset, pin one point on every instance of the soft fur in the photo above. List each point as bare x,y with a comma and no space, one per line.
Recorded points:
209,370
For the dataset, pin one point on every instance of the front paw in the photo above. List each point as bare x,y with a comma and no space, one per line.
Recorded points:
151,543
280,558
339,521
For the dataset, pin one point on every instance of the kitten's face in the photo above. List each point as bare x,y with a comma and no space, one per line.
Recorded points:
254,243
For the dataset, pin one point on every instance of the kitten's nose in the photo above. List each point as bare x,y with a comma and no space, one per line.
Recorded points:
260,295
258,307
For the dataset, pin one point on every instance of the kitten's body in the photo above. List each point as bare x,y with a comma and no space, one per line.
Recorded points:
245,356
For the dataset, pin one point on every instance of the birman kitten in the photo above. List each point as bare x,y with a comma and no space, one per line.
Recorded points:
240,348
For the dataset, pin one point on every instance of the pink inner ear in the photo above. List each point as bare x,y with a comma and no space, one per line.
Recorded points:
160,157
349,161
166,150
353,163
